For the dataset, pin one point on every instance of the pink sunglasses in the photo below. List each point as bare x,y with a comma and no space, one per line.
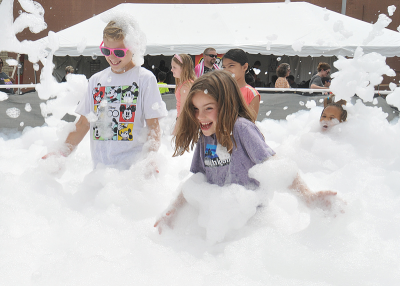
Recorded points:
119,53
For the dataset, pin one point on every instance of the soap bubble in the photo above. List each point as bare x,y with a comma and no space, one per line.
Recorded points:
3,96
13,112
311,103
28,107
94,56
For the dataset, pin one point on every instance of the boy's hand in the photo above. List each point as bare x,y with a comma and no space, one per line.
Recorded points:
151,169
56,153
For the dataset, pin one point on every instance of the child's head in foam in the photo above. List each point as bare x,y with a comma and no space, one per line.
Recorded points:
333,112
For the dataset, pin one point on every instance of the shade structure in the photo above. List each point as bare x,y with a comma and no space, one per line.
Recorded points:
297,28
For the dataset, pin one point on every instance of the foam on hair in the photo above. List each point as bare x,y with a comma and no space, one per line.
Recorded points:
122,26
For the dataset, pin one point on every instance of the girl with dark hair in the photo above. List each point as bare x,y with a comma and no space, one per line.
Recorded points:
235,61
333,112
218,121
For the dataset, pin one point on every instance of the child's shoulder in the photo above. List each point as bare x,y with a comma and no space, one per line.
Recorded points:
100,73
249,89
243,123
143,72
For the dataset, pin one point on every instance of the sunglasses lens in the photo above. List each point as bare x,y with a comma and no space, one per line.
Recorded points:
105,51
119,53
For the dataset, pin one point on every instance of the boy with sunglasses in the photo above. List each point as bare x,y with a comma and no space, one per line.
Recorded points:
208,63
124,97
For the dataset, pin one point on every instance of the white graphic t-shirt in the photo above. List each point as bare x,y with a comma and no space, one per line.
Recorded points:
121,103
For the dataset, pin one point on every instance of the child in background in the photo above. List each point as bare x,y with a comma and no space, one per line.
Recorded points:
182,68
333,112
326,81
122,96
161,78
216,118
235,61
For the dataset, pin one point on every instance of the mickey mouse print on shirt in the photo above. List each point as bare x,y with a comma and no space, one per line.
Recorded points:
120,109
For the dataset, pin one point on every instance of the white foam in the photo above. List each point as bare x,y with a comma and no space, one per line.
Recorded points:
64,223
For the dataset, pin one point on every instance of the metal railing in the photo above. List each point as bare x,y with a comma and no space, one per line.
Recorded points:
290,90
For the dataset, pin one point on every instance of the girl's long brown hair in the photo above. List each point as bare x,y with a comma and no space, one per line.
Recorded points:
187,66
231,105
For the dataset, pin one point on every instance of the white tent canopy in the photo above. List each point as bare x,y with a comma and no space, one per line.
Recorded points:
297,28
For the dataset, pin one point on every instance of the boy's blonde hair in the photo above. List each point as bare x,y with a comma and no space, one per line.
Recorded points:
223,88
113,31
122,26
187,66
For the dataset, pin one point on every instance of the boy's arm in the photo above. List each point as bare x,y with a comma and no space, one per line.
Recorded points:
73,138
154,134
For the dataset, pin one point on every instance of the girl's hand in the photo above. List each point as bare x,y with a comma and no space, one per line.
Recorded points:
321,199
165,220
327,201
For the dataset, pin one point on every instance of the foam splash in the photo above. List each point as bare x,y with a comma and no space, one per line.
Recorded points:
359,75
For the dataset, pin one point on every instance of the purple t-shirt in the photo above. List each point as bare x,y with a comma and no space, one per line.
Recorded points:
220,167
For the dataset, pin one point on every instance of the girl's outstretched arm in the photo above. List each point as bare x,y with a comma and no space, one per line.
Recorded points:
321,199
255,106
169,214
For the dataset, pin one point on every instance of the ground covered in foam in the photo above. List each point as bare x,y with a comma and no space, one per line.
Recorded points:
61,222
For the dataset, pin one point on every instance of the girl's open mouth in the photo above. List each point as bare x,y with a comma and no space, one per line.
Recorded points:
205,126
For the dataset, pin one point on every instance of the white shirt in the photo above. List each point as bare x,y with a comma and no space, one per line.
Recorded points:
122,103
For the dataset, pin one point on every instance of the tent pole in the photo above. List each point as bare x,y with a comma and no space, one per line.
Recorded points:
344,7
